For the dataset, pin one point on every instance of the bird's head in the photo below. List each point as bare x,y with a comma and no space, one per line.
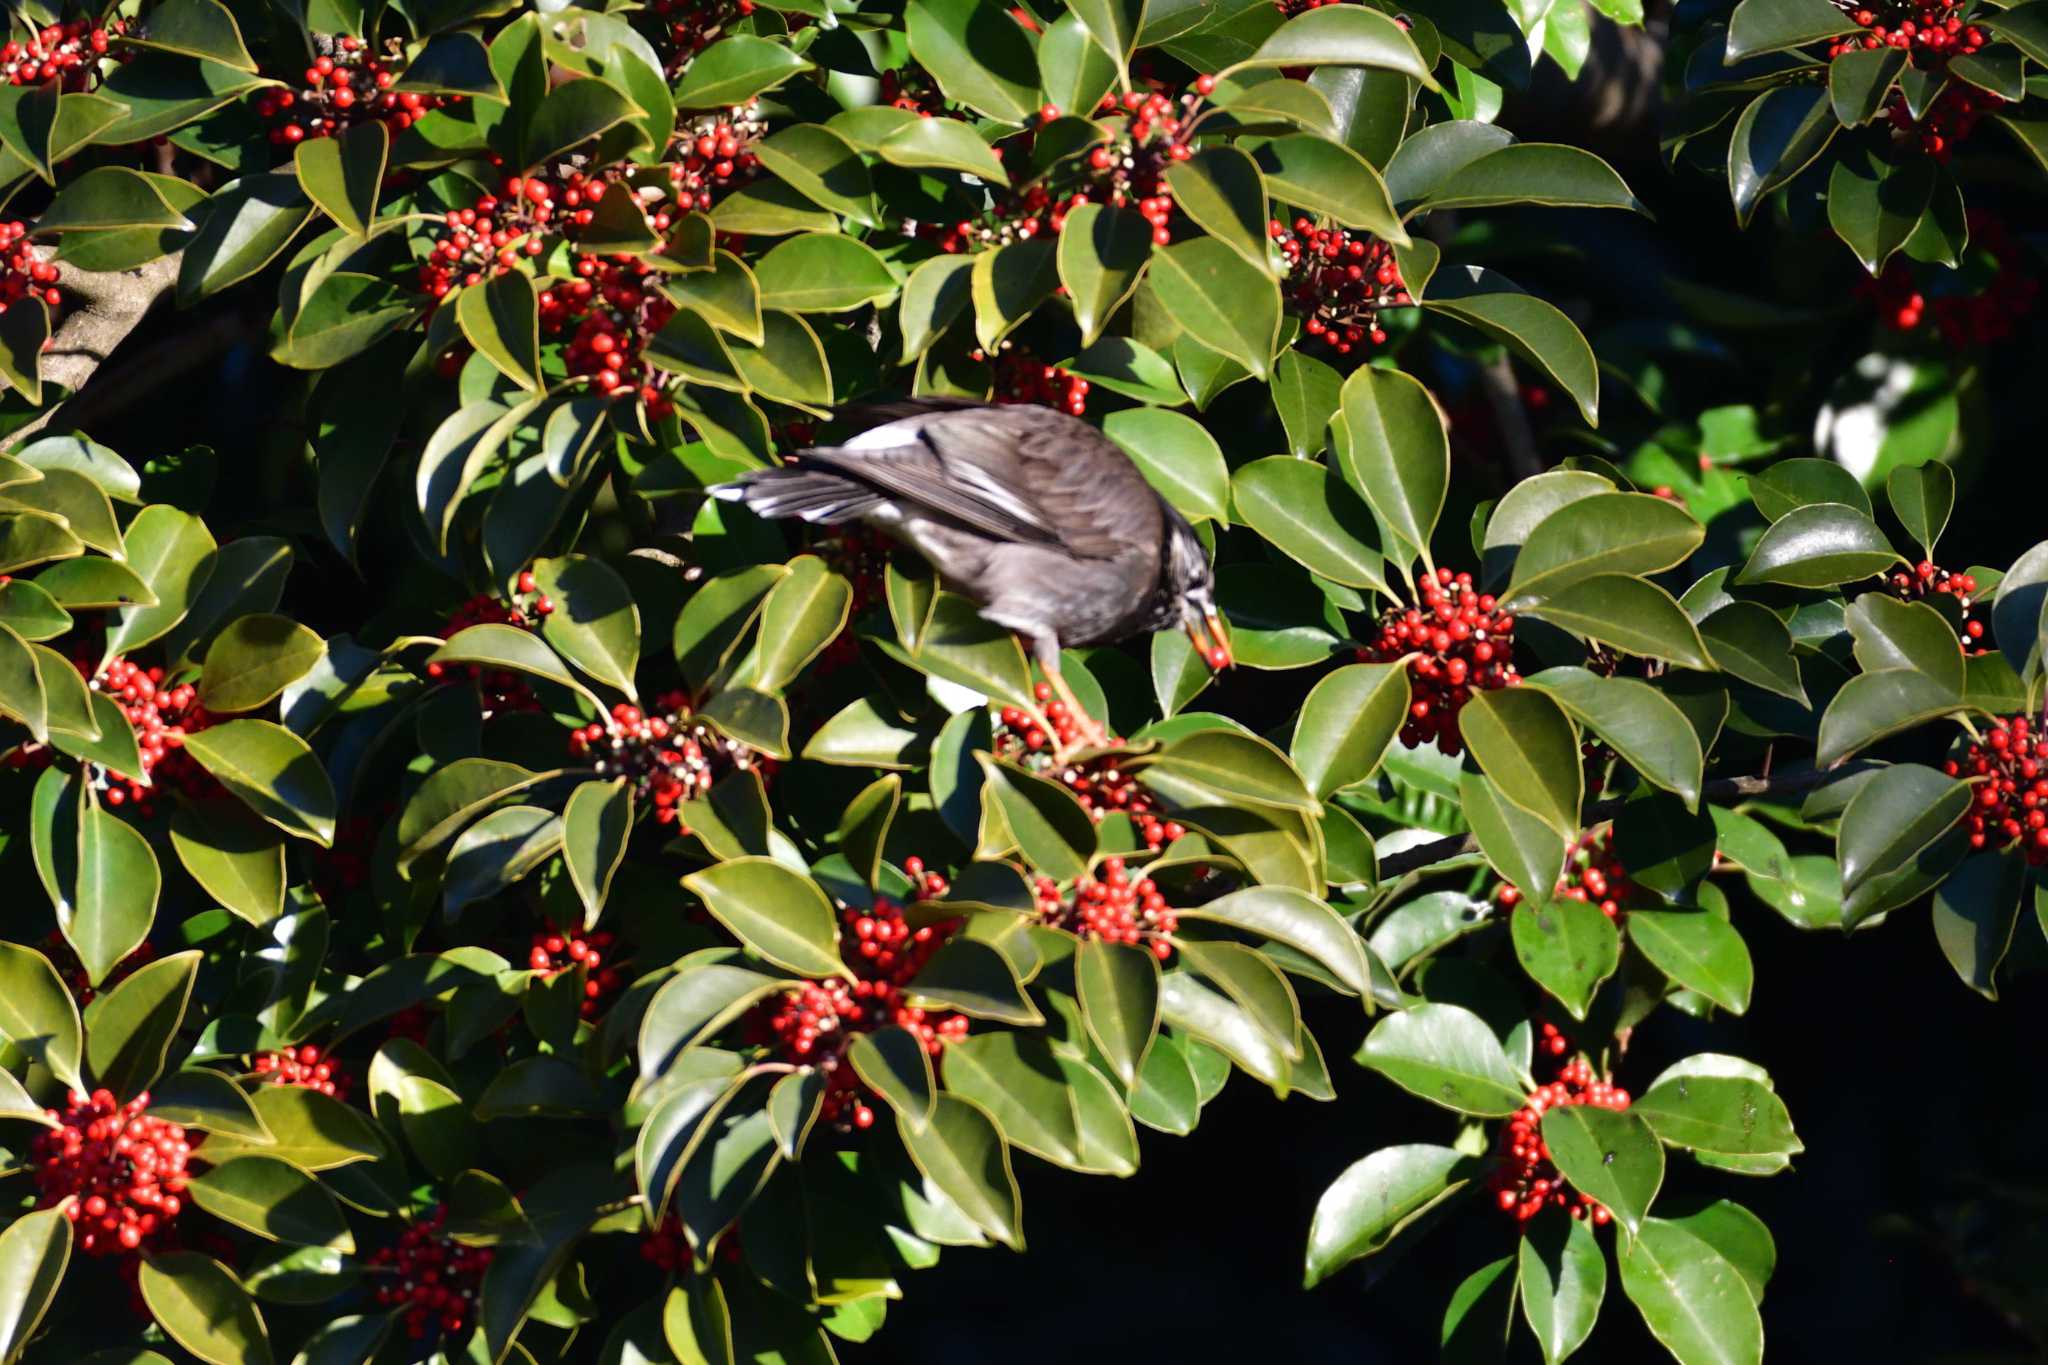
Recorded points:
1188,590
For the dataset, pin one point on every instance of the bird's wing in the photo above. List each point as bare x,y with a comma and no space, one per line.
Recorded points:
1079,484
915,478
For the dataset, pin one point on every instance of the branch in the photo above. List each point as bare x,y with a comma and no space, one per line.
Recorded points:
103,308
1721,789
1504,400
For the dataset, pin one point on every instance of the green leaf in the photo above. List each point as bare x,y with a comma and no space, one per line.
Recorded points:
1312,517
727,296
1524,742
734,70
1347,723
893,1063
1637,721
1894,815
1723,1115
1568,947
1307,393
27,540
496,852
1777,136
1527,853
273,1199
133,1027
1874,207
1226,767
1254,985
1632,615
1563,1278
1221,190
1178,457
312,1131
779,914
1894,634
1481,1311
1015,1078
1760,26
1537,331
979,57
24,336
596,824
37,1014
110,197
208,1101
1102,251
494,646
171,551
1008,283
1040,817
1544,173
35,1250
1922,496
1447,1055
822,272
824,166
961,1152
979,981
1119,993
804,612
1298,920
342,174
254,658
1974,913
1607,533
1749,642
242,228
1328,178
31,613
943,145
1375,1200
1819,545
501,318
1859,81
1207,1017
1693,1299
595,624
1699,950
788,366
573,113
1352,36
2019,612
94,583
237,861
1613,1158
203,1307
273,772
113,900
1397,455
1219,296
1872,706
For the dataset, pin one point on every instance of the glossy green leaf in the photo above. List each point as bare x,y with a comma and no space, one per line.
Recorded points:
1636,721
1523,740
202,1306
1038,816
779,914
1612,1157
343,174
1102,251
1178,457
1563,1278
893,1063
253,659
501,318
1220,188
1568,947
37,1013
1353,37
1119,994
979,56
1777,136
1397,455
273,772
1693,1299
1312,517
822,272
963,1155
272,1199
35,1250
1347,723
1218,295
1632,615
1375,1199
1326,177
1447,1055
238,861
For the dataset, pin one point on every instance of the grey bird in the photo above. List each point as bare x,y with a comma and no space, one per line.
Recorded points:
1036,517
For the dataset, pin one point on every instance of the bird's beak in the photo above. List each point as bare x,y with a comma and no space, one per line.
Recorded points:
1206,634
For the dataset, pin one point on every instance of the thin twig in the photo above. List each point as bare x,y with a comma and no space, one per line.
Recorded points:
1504,401
1721,789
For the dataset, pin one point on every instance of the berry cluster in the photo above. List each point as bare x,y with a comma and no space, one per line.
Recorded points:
1526,1181
687,27
1338,281
1101,784
161,716
306,1067
1932,31
123,1171
1592,873
72,51
1017,375
1928,580
812,1024
501,689
1112,907
1951,119
344,86
912,88
1290,8
2010,768
1129,169
1460,643
557,951
1981,316
71,967
668,758
667,1246
24,275
608,312
433,1279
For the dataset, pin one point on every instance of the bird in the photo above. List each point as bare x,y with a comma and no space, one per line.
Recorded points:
1035,516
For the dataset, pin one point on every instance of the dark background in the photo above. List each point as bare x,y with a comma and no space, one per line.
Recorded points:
1912,1228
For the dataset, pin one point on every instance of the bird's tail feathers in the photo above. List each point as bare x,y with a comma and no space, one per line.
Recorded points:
811,494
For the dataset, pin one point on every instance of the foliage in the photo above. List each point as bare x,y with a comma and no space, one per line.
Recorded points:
629,930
